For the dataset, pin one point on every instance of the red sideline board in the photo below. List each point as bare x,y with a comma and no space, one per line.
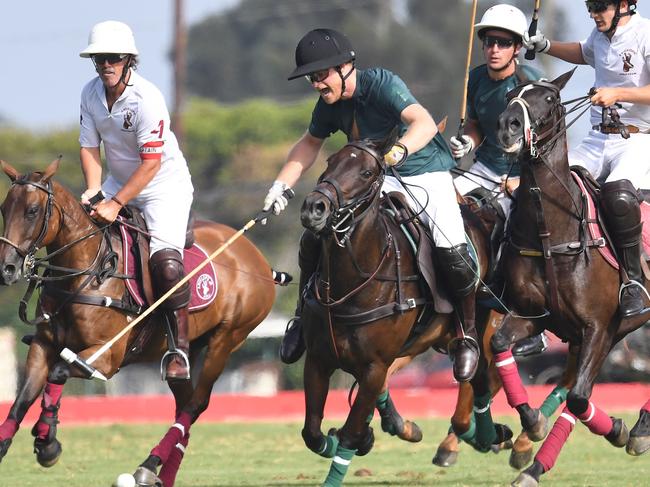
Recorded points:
290,406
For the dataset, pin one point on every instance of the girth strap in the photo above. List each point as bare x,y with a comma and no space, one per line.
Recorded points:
103,301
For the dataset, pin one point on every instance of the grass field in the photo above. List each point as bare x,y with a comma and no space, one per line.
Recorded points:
274,455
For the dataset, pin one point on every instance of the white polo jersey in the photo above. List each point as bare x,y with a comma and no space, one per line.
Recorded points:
622,62
136,128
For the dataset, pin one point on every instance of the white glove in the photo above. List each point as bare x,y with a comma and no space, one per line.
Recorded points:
461,147
396,155
538,42
275,198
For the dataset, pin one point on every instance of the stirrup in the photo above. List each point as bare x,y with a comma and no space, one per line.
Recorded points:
633,283
170,354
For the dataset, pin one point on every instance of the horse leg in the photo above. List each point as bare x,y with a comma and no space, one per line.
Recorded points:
596,343
639,441
391,421
356,435
36,370
513,329
462,422
316,384
522,449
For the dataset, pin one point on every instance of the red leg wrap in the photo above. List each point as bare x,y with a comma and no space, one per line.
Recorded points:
172,465
174,435
596,420
509,374
8,429
51,397
646,406
550,450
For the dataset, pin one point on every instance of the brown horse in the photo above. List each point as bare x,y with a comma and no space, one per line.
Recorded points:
366,305
556,277
39,212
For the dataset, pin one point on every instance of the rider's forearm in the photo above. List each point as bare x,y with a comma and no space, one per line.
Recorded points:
570,52
421,128
91,166
473,131
301,157
138,181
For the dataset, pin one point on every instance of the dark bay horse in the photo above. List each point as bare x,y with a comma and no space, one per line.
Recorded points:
364,301
556,277
39,212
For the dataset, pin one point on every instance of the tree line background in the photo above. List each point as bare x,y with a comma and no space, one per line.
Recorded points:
243,114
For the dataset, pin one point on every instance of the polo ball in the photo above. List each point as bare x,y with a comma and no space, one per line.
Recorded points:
124,480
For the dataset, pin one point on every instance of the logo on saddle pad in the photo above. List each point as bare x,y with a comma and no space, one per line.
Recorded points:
205,287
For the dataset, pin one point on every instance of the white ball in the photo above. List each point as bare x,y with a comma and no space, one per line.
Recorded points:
125,480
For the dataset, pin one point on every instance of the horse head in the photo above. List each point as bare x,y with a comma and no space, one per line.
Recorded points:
26,212
348,185
534,117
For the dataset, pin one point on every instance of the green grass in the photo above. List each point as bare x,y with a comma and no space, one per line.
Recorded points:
274,455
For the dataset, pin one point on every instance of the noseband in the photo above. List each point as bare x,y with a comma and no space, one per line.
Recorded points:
343,211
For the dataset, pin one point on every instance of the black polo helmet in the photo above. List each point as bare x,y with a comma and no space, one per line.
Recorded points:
321,49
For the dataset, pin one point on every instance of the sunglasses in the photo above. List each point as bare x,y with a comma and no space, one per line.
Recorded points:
318,76
111,58
597,7
502,42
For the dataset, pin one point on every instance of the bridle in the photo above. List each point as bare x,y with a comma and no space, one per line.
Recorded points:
343,213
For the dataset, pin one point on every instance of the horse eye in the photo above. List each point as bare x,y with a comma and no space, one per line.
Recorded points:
367,174
32,211
549,99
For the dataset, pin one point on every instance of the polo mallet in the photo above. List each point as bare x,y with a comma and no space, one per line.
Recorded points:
463,104
86,365
532,30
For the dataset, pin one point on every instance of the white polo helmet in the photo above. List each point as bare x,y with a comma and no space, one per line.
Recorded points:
505,17
110,37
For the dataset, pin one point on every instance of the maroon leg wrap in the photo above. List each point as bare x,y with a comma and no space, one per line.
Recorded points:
8,429
550,450
509,374
173,436
51,397
646,406
596,420
173,464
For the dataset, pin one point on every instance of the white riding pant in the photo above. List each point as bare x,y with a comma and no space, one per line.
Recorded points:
481,176
434,192
610,157
165,212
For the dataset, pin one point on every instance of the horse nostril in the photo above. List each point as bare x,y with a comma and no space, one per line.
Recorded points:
8,271
319,208
515,125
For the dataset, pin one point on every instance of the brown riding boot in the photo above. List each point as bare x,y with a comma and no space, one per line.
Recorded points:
456,266
178,363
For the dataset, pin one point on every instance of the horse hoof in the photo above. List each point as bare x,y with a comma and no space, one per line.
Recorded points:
619,434
368,443
4,447
539,430
332,432
519,459
525,480
146,478
637,445
445,458
504,445
410,432
47,454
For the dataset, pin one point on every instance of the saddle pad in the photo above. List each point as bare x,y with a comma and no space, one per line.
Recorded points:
596,232
203,285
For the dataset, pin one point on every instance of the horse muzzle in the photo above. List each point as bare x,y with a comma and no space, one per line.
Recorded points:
315,212
10,273
510,133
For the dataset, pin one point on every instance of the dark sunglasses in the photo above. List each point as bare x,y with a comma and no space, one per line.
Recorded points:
490,41
318,76
597,7
111,58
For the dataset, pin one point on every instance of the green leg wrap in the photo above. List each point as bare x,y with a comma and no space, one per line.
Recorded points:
339,467
328,446
485,432
382,400
470,435
553,401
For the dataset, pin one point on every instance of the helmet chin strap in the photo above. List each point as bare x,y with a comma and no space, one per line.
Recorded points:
618,15
343,78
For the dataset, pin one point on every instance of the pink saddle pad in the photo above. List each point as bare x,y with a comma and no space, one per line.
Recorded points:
203,284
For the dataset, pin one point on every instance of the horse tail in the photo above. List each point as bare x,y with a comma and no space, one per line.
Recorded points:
281,278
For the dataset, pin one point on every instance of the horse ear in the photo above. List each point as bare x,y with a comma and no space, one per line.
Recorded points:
9,170
50,170
383,146
562,80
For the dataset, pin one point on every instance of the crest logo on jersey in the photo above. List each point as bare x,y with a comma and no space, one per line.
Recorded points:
627,61
128,118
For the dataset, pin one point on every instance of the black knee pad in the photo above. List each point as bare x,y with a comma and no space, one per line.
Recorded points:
577,404
59,374
499,343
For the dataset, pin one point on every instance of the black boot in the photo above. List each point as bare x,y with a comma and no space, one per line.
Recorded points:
530,346
457,270
178,364
293,345
620,205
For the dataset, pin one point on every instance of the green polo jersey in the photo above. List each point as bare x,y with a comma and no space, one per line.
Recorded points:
486,100
377,103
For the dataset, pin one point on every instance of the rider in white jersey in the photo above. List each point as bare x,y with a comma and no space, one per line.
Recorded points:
619,50
128,116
